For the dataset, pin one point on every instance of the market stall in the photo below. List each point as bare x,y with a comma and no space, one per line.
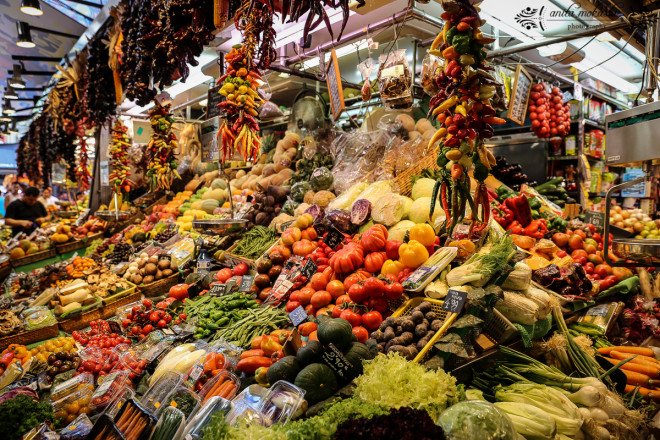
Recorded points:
407,259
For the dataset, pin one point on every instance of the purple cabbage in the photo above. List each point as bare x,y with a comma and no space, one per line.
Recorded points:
19,390
360,211
315,211
339,219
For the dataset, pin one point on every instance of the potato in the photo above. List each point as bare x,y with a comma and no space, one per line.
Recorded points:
148,279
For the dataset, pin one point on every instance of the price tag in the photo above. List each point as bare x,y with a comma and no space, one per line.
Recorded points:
168,332
309,268
164,257
334,359
454,301
298,316
334,238
194,375
595,218
246,283
284,226
218,290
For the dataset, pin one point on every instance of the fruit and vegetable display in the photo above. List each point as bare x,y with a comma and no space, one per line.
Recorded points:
341,284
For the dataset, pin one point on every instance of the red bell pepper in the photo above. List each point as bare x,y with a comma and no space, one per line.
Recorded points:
519,205
536,229
515,228
503,216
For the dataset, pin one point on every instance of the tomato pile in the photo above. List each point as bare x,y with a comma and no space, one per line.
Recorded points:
100,336
550,115
143,319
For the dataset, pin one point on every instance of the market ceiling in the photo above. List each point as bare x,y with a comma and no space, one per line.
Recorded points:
53,33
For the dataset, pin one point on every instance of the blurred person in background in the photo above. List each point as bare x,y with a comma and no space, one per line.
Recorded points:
26,214
47,198
13,194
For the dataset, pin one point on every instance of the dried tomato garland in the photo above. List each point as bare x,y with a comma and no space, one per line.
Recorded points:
162,167
240,130
119,157
462,106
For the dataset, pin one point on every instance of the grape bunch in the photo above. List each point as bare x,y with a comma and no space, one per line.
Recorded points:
163,236
121,252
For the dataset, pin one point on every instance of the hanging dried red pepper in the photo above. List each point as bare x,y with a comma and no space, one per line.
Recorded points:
162,167
119,158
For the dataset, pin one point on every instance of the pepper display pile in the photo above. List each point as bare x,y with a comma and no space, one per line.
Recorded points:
240,131
119,158
462,106
162,167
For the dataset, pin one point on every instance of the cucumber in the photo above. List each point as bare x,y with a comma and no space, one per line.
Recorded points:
169,424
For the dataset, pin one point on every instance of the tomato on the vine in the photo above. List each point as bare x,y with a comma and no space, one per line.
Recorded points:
372,320
393,291
374,287
354,318
357,293
378,303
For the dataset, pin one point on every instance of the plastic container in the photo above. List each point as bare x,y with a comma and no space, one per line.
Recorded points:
224,384
283,402
214,406
183,399
246,406
73,405
68,387
138,414
203,370
158,393
112,386
128,361
115,406
169,431
111,361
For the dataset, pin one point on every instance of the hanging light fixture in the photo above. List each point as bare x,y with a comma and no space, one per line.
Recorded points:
24,38
31,7
11,129
7,109
10,93
4,118
16,81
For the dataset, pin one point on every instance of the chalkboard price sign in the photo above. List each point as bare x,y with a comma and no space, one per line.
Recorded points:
334,359
333,239
454,301
309,268
595,218
333,80
246,283
522,87
218,290
213,99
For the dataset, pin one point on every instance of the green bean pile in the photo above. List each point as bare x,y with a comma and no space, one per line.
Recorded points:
255,242
259,321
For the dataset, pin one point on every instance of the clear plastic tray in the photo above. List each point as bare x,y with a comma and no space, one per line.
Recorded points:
283,402
111,360
112,386
130,362
115,406
176,398
203,370
169,432
215,386
73,405
246,406
157,394
64,389
214,406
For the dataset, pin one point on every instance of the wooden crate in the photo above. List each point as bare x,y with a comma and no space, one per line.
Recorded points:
77,244
160,287
33,258
109,310
79,321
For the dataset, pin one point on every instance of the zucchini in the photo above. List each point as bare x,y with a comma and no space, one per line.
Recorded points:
170,421
555,181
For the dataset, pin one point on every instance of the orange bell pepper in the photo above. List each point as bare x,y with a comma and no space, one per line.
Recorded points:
392,267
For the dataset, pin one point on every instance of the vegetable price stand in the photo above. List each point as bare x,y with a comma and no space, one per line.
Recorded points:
370,259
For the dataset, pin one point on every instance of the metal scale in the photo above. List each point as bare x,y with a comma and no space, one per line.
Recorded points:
113,216
632,137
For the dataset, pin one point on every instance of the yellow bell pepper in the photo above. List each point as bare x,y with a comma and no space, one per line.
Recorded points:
413,254
424,233
392,267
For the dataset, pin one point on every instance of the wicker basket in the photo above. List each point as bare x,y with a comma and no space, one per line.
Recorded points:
5,269
403,182
77,244
436,306
110,310
160,287
30,336
33,258
119,295
79,321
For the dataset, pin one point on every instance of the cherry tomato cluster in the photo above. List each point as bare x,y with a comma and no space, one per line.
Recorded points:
97,361
100,336
129,362
143,319
550,115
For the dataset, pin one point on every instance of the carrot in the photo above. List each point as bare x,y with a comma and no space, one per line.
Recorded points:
638,360
648,370
649,394
623,349
229,388
214,389
209,364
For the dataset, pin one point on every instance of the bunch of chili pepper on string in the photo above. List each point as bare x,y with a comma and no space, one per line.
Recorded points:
162,167
119,157
254,20
82,166
240,130
462,106
316,10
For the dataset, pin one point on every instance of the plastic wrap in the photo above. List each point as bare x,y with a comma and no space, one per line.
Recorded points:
269,110
430,67
282,403
395,80
366,68
78,429
476,420
216,406
357,155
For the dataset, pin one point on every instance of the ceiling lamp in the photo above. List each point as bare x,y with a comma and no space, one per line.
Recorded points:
563,53
16,81
7,110
31,7
10,93
24,38
4,118
11,129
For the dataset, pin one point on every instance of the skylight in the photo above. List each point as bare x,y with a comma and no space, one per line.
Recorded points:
82,13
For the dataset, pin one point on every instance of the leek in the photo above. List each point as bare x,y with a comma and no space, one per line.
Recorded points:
529,421
547,399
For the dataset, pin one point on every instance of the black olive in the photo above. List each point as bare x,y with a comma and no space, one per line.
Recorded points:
52,358
52,371
58,363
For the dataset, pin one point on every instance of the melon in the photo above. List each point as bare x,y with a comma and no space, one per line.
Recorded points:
209,205
219,183
16,253
216,194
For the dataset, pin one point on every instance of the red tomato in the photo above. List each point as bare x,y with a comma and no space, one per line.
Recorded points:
561,254
372,320
240,270
320,299
146,302
603,270
306,295
393,291
336,312
310,310
374,287
223,275
378,303
361,333
295,295
595,277
354,318
612,280
291,306
147,329
343,299
357,293
589,268
318,281
580,260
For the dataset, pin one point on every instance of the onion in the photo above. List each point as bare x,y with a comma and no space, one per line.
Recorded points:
613,408
586,414
586,396
600,433
598,414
